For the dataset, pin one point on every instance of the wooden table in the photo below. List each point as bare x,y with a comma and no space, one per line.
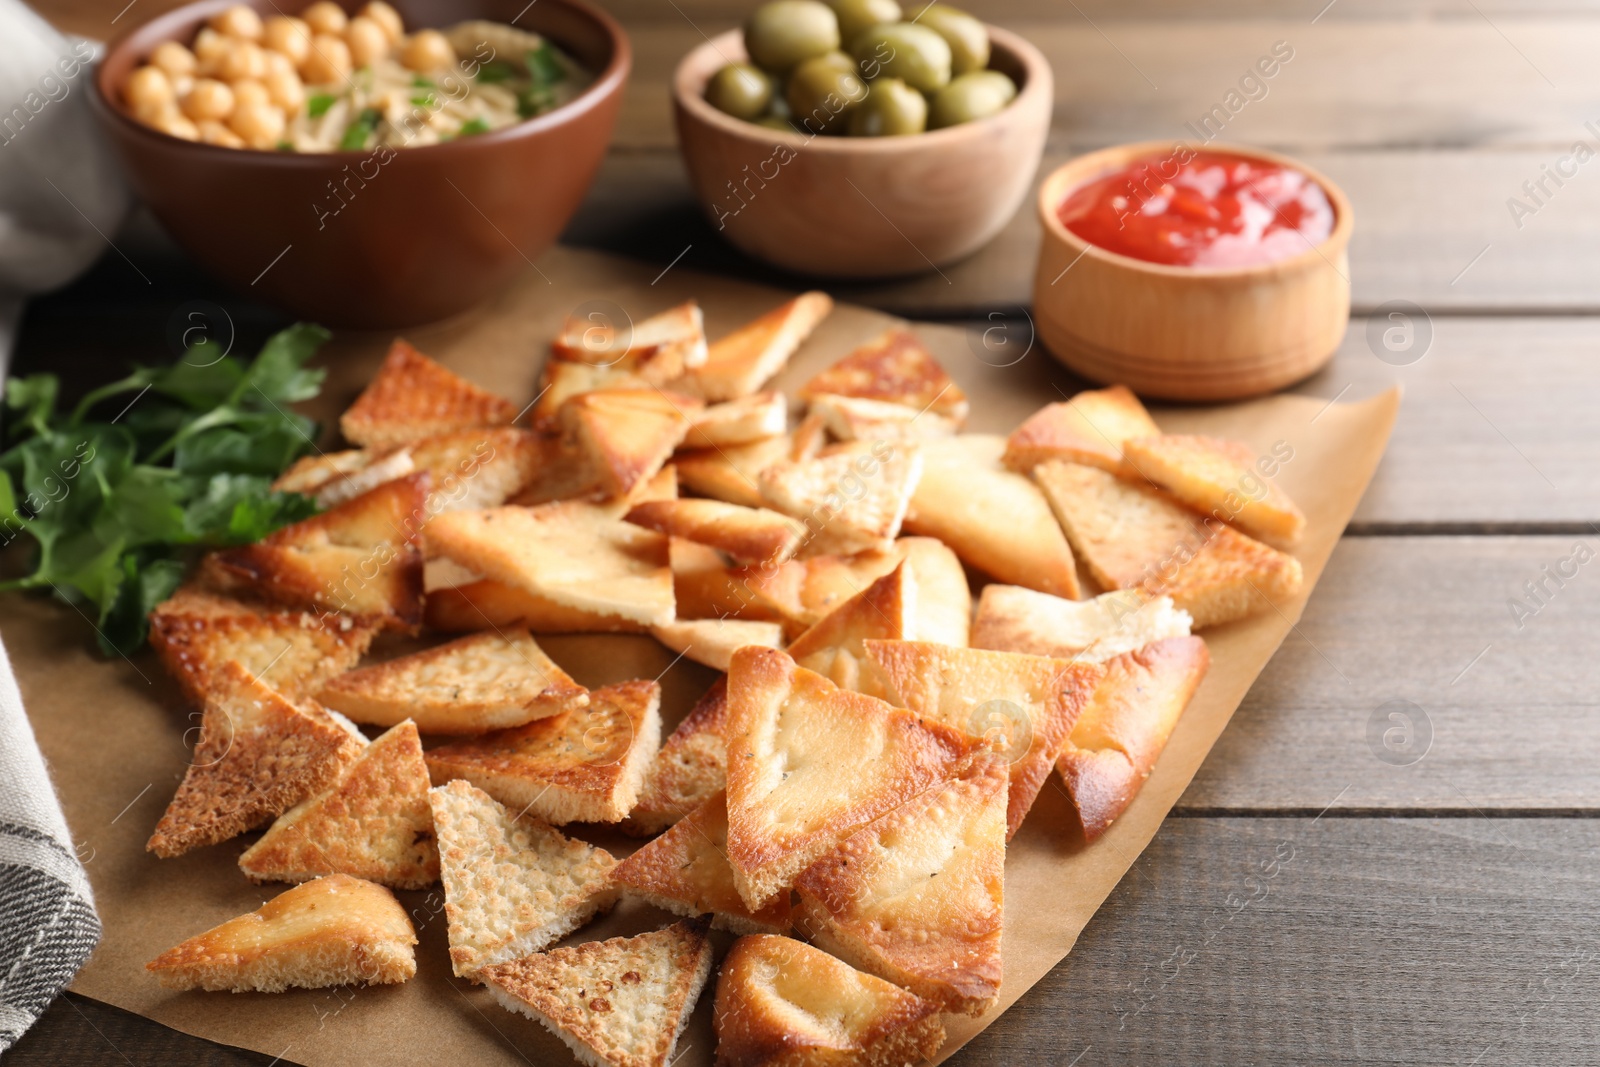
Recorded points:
1437,911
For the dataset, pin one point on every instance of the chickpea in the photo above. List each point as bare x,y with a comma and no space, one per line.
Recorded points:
368,43
329,60
427,50
209,47
286,90
261,126
181,84
277,63
209,99
388,18
249,93
288,36
238,21
247,60
324,16
213,132
173,123
148,93
173,59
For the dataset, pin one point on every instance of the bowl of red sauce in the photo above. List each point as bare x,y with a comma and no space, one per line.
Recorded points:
1211,273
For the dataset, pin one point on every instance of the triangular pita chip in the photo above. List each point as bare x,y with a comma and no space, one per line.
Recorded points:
743,361
331,478
1123,730
258,755
854,418
944,600
616,1003
478,468
748,535
782,1003
797,593
809,762
512,884
729,472
494,605
885,610
584,765
897,368
626,434
1024,705
560,381
332,931
658,349
714,641
738,422
1090,428
373,824
359,558
995,519
1013,619
691,766
1222,478
1133,536
487,681
686,871
917,897
196,632
849,501
573,553
413,397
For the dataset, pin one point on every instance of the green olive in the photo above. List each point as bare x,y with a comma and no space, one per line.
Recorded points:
892,109
971,97
782,34
743,91
966,36
821,94
858,16
777,122
904,50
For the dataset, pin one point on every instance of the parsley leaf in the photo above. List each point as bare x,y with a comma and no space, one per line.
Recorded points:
473,126
319,104
360,129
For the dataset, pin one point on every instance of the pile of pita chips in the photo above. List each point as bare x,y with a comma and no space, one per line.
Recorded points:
853,777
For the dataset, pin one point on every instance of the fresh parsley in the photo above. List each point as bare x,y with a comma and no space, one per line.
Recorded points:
319,104
360,129
472,126
543,66
495,71
186,458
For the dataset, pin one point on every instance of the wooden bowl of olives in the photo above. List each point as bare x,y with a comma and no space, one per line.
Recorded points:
838,140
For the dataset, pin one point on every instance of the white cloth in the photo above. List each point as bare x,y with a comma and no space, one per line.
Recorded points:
60,200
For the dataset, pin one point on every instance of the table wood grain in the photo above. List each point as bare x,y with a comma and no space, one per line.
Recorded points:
1436,911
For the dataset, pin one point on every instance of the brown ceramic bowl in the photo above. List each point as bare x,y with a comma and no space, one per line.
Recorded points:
341,239
862,207
1188,333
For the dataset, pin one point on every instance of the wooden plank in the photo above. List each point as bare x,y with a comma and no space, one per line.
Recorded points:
1229,942
1363,84
1431,227
1501,715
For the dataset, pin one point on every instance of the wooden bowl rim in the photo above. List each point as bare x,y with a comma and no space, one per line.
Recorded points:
1075,172
688,90
170,24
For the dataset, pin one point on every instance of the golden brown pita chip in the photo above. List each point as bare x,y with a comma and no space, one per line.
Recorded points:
413,397
1121,733
738,422
1133,536
1090,428
331,478
685,871
626,434
360,558
917,897
658,349
257,756
742,362
1013,619
1222,478
782,1003
994,519
487,681
897,368
729,472
849,501
833,648
477,468
616,1003
332,931
714,641
584,765
853,418
374,823
749,535
691,766
809,762
487,604
561,380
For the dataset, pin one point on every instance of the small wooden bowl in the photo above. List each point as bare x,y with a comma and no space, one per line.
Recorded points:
862,207
1186,333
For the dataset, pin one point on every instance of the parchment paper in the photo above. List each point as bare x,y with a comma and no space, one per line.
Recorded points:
117,734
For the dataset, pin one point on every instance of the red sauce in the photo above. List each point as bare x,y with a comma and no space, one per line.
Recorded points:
1201,209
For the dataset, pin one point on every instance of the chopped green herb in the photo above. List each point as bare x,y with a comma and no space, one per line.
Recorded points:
496,71
112,505
419,82
319,104
472,126
423,100
543,66
286,146
356,134
534,100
